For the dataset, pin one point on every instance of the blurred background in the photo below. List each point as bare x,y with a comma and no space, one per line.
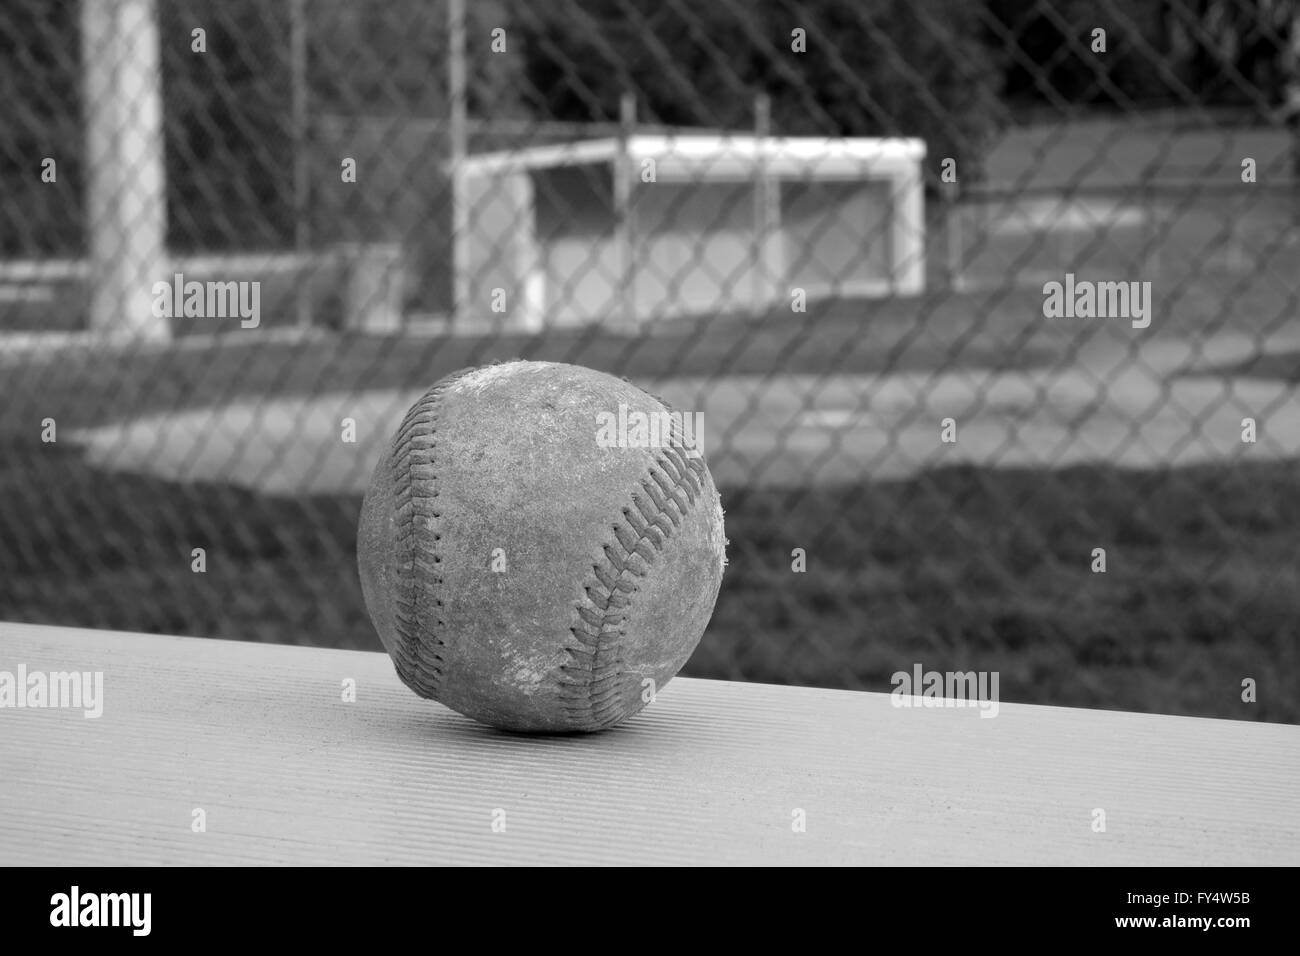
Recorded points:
826,225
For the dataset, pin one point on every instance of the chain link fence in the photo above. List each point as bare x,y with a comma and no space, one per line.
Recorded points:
989,308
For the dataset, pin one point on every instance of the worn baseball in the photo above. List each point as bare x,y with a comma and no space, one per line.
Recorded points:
541,546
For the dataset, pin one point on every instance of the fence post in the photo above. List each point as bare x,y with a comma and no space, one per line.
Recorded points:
765,208
458,147
126,209
298,134
624,227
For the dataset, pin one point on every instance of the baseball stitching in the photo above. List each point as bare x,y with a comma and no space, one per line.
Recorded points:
418,654
591,685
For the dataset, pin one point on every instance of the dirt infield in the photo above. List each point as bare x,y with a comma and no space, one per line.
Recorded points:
1165,403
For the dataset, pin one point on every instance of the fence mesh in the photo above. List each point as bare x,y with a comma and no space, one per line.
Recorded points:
989,308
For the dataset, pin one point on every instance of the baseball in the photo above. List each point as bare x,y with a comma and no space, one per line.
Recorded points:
541,546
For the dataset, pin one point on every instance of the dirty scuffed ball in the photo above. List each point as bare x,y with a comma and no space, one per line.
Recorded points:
541,546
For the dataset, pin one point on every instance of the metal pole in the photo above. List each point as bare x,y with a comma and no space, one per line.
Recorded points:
126,208
458,147
623,224
298,93
764,206
1291,65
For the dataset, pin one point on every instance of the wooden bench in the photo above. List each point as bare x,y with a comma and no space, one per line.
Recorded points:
260,739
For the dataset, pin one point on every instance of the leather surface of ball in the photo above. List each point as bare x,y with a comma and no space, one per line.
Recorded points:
521,568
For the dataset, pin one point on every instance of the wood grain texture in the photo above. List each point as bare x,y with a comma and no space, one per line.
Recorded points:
259,737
